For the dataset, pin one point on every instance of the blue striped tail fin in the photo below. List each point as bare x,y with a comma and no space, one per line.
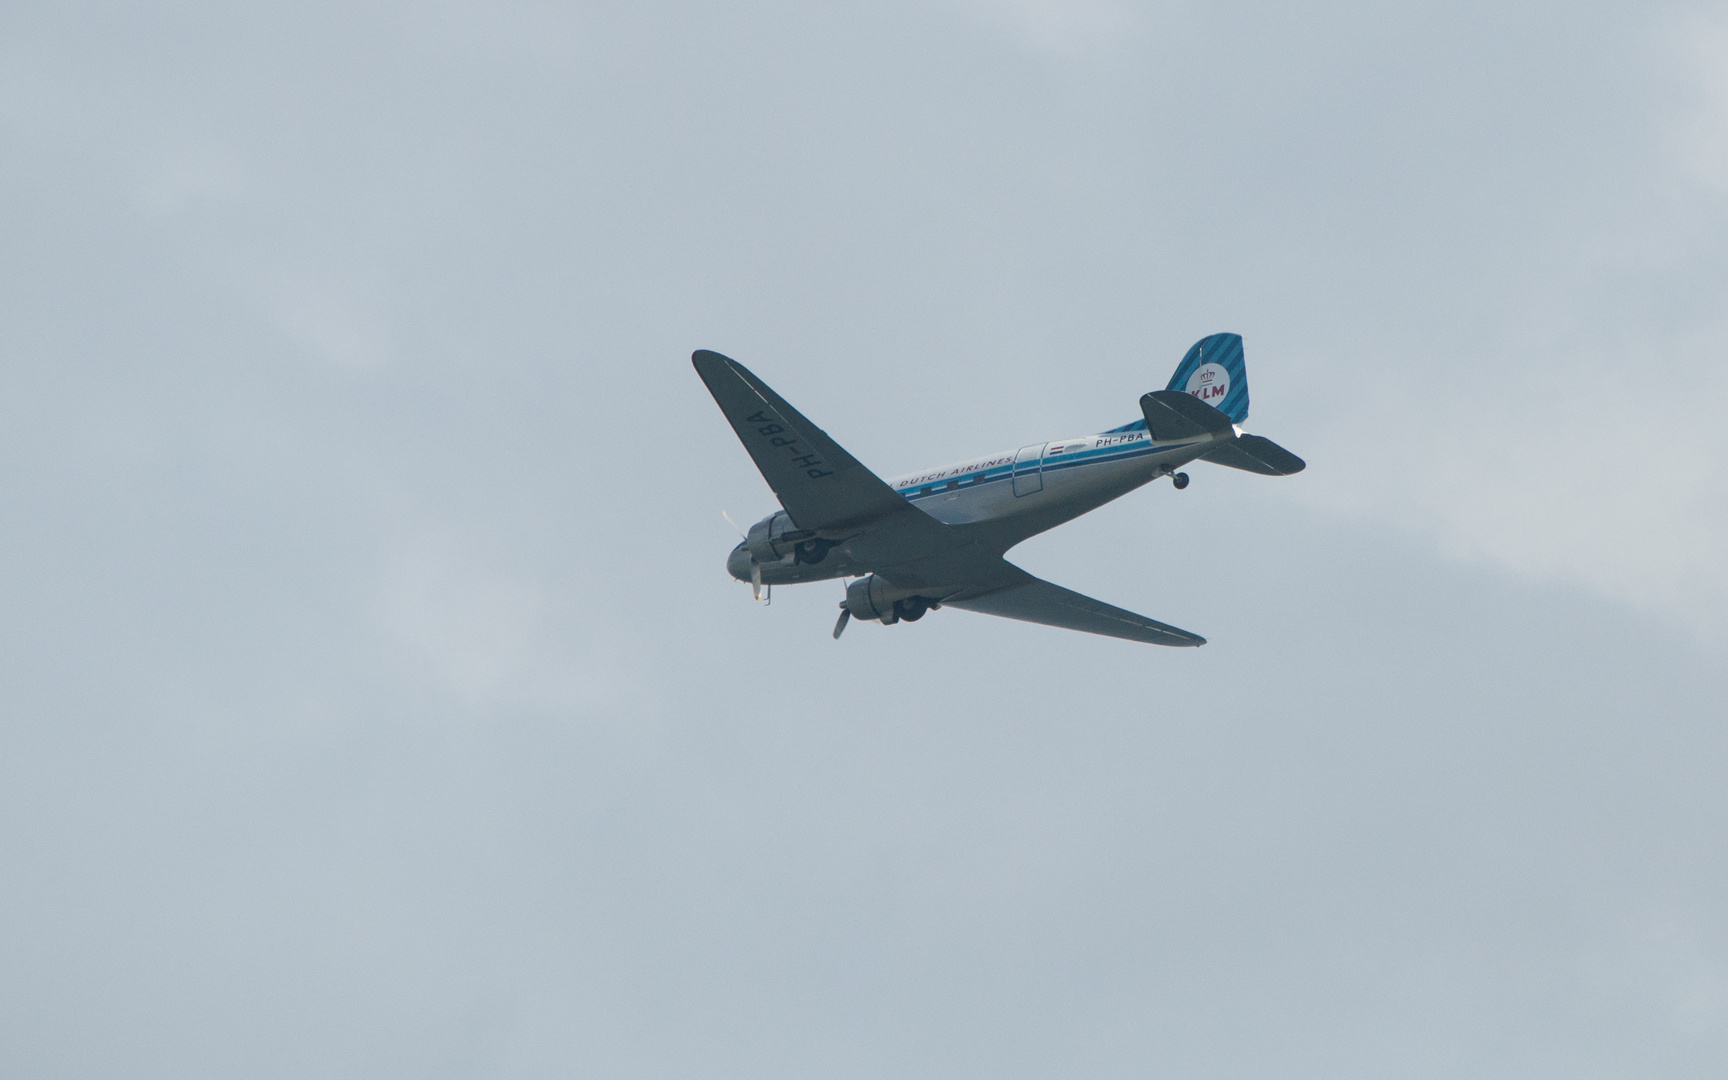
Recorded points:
1215,372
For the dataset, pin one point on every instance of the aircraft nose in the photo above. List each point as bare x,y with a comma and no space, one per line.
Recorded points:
738,563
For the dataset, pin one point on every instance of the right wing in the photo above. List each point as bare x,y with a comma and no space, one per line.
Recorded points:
1032,599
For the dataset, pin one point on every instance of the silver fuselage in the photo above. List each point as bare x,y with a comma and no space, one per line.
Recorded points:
1001,499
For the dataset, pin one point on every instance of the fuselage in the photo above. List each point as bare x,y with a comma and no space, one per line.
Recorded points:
1004,498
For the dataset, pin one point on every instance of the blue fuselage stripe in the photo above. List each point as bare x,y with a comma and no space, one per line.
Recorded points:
1080,458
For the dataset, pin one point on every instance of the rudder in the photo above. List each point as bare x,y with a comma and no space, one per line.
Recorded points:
1216,372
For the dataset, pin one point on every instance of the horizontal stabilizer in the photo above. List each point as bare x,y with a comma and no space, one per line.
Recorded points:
1254,454
1173,416
1035,600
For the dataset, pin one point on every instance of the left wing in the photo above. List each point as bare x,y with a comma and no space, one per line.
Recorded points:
821,486
1032,599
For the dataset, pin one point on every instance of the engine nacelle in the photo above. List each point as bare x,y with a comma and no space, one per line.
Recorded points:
778,539
772,539
872,598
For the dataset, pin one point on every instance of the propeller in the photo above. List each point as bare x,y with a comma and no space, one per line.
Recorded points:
755,570
845,612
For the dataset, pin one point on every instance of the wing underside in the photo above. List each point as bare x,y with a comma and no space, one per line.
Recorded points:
1035,600
817,481
821,486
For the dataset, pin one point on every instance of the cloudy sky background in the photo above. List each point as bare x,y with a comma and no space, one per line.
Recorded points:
373,701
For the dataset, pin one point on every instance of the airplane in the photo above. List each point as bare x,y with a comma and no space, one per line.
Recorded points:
936,539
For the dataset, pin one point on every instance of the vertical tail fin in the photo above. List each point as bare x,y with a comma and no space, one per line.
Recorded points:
1215,372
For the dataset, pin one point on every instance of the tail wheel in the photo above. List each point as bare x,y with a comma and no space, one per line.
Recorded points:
1180,480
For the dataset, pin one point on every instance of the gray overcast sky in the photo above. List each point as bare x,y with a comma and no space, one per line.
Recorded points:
373,700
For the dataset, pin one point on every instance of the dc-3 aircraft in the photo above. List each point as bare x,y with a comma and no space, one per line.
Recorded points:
936,539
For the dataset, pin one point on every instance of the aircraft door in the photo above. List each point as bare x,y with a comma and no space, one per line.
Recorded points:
1029,469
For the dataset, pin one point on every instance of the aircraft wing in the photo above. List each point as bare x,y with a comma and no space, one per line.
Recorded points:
1032,599
820,485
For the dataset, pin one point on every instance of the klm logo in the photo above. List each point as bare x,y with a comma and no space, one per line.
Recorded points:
1210,383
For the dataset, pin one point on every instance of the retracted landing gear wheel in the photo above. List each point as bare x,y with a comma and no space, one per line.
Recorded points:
1180,480
811,552
912,608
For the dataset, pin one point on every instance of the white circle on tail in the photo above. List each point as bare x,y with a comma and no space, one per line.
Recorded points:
1209,383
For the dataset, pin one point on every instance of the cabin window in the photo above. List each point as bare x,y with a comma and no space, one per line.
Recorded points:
979,479
927,490
952,484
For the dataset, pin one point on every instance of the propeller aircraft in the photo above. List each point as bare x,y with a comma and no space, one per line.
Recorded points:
936,539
